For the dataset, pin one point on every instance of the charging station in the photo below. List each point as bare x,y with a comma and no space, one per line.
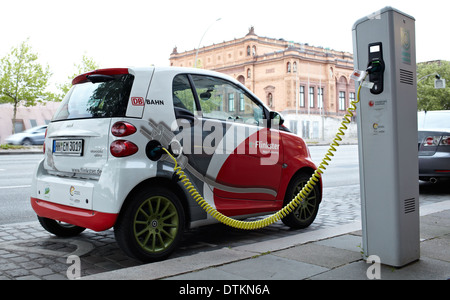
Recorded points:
384,46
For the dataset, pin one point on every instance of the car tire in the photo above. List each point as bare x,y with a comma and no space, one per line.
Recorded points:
151,225
304,214
27,142
59,228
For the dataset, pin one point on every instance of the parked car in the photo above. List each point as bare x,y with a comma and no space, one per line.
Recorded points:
104,166
32,136
434,145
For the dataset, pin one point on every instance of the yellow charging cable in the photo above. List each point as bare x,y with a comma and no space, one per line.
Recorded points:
295,202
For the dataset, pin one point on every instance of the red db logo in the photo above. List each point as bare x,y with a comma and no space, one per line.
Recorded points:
137,101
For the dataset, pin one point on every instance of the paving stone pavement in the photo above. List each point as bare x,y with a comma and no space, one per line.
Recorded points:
28,252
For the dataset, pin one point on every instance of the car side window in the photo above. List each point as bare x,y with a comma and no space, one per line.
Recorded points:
220,99
183,98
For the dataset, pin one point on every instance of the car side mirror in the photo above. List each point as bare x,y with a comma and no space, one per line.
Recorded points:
276,119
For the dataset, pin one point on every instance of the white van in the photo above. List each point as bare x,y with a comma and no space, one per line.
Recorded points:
104,165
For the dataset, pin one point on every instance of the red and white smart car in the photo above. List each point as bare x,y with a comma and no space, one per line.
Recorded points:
103,165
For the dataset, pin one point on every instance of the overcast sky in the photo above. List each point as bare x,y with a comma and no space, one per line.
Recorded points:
143,32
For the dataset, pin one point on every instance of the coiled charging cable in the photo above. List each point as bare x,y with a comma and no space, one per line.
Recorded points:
295,202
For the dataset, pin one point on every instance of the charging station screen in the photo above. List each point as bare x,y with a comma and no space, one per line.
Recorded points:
375,48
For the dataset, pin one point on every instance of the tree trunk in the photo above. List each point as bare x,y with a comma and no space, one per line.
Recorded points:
14,117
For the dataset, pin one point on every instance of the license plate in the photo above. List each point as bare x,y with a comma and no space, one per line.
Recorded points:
68,147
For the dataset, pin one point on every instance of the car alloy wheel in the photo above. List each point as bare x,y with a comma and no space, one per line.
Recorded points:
305,213
156,224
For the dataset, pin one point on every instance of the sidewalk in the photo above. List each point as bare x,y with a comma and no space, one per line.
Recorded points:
330,254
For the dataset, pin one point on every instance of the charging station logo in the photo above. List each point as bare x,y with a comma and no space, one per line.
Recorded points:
406,45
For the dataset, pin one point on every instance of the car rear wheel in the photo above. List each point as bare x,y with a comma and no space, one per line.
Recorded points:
151,225
305,213
60,228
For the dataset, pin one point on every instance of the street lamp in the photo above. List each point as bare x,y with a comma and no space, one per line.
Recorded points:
438,82
196,53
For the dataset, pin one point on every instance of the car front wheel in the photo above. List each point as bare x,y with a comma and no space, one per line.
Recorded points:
306,212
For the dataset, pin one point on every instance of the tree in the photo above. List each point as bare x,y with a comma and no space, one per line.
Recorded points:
87,64
22,78
430,98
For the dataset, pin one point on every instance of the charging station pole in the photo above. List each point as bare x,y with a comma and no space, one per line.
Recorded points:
384,42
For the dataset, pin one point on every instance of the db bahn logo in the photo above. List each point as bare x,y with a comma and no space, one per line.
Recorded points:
137,101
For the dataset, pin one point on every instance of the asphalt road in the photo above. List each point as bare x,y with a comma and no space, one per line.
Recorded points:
15,179
343,162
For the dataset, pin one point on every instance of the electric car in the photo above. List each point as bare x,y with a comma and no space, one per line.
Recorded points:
111,148
434,145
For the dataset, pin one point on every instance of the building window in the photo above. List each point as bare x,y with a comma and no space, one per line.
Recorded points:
311,97
305,129
293,126
248,50
352,97
341,100
288,67
241,102
294,67
249,73
231,102
302,97
254,50
270,99
18,126
320,97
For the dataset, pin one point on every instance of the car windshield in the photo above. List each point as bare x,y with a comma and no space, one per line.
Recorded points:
96,99
434,120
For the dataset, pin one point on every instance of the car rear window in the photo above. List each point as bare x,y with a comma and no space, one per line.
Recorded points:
105,98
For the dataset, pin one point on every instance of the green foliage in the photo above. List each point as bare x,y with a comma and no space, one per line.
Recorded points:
7,147
87,64
22,78
428,97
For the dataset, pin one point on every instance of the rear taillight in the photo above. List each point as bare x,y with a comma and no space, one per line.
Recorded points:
437,140
432,141
445,141
121,148
121,129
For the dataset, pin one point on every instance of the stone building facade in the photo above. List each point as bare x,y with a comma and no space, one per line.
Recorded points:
305,83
